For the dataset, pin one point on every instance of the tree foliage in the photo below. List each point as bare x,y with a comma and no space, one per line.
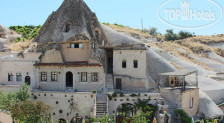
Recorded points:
153,31
144,105
27,32
104,119
185,118
171,36
30,112
22,109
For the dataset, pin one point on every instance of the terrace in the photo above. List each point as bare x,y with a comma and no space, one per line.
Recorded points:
183,80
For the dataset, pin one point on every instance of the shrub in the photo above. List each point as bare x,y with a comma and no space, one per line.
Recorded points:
171,36
153,31
94,91
106,24
121,26
133,95
185,118
114,94
110,97
185,34
27,32
121,94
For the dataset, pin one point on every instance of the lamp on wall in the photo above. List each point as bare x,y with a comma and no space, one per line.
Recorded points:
27,73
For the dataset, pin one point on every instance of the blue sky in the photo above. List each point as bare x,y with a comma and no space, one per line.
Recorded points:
125,12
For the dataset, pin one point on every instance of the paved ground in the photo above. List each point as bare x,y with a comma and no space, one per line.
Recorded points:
5,118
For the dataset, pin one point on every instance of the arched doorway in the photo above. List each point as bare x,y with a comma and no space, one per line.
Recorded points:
62,120
27,80
125,112
76,120
69,79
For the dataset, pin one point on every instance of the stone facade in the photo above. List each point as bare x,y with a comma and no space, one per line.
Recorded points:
68,105
188,97
182,99
133,75
12,64
76,56
60,84
117,101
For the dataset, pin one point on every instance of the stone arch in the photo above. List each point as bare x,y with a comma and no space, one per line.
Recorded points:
76,119
27,80
61,120
69,79
126,109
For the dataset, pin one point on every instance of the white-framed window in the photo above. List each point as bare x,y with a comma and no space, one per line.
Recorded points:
10,77
18,77
83,76
76,45
54,76
191,103
94,77
43,76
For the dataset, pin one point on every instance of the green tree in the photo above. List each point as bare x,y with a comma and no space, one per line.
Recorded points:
141,118
22,109
24,93
185,34
103,119
170,35
185,118
153,31
30,112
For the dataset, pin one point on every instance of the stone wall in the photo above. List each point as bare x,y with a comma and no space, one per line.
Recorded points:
133,79
12,63
117,101
130,56
181,100
186,96
60,85
76,54
68,105
52,56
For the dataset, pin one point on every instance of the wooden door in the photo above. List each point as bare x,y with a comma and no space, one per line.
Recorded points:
118,84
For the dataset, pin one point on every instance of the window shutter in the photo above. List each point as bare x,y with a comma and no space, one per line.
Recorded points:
79,76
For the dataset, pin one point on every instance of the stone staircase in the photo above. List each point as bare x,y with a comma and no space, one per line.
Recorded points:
110,82
101,105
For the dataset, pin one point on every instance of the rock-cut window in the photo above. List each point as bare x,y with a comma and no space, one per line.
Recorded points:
68,27
10,77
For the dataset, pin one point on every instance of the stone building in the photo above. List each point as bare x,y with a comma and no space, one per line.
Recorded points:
75,57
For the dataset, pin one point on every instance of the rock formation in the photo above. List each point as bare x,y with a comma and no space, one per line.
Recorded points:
79,18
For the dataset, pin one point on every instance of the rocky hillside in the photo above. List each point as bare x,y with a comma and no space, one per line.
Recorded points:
204,51
17,38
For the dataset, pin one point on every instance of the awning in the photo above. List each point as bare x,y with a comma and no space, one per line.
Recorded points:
179,73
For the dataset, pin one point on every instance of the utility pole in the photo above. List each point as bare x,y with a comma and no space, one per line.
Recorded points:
142,24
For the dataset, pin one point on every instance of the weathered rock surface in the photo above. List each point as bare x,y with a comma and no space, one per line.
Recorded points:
75,13
6,36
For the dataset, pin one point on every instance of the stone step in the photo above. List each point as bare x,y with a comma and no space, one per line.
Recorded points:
101,105
101,113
